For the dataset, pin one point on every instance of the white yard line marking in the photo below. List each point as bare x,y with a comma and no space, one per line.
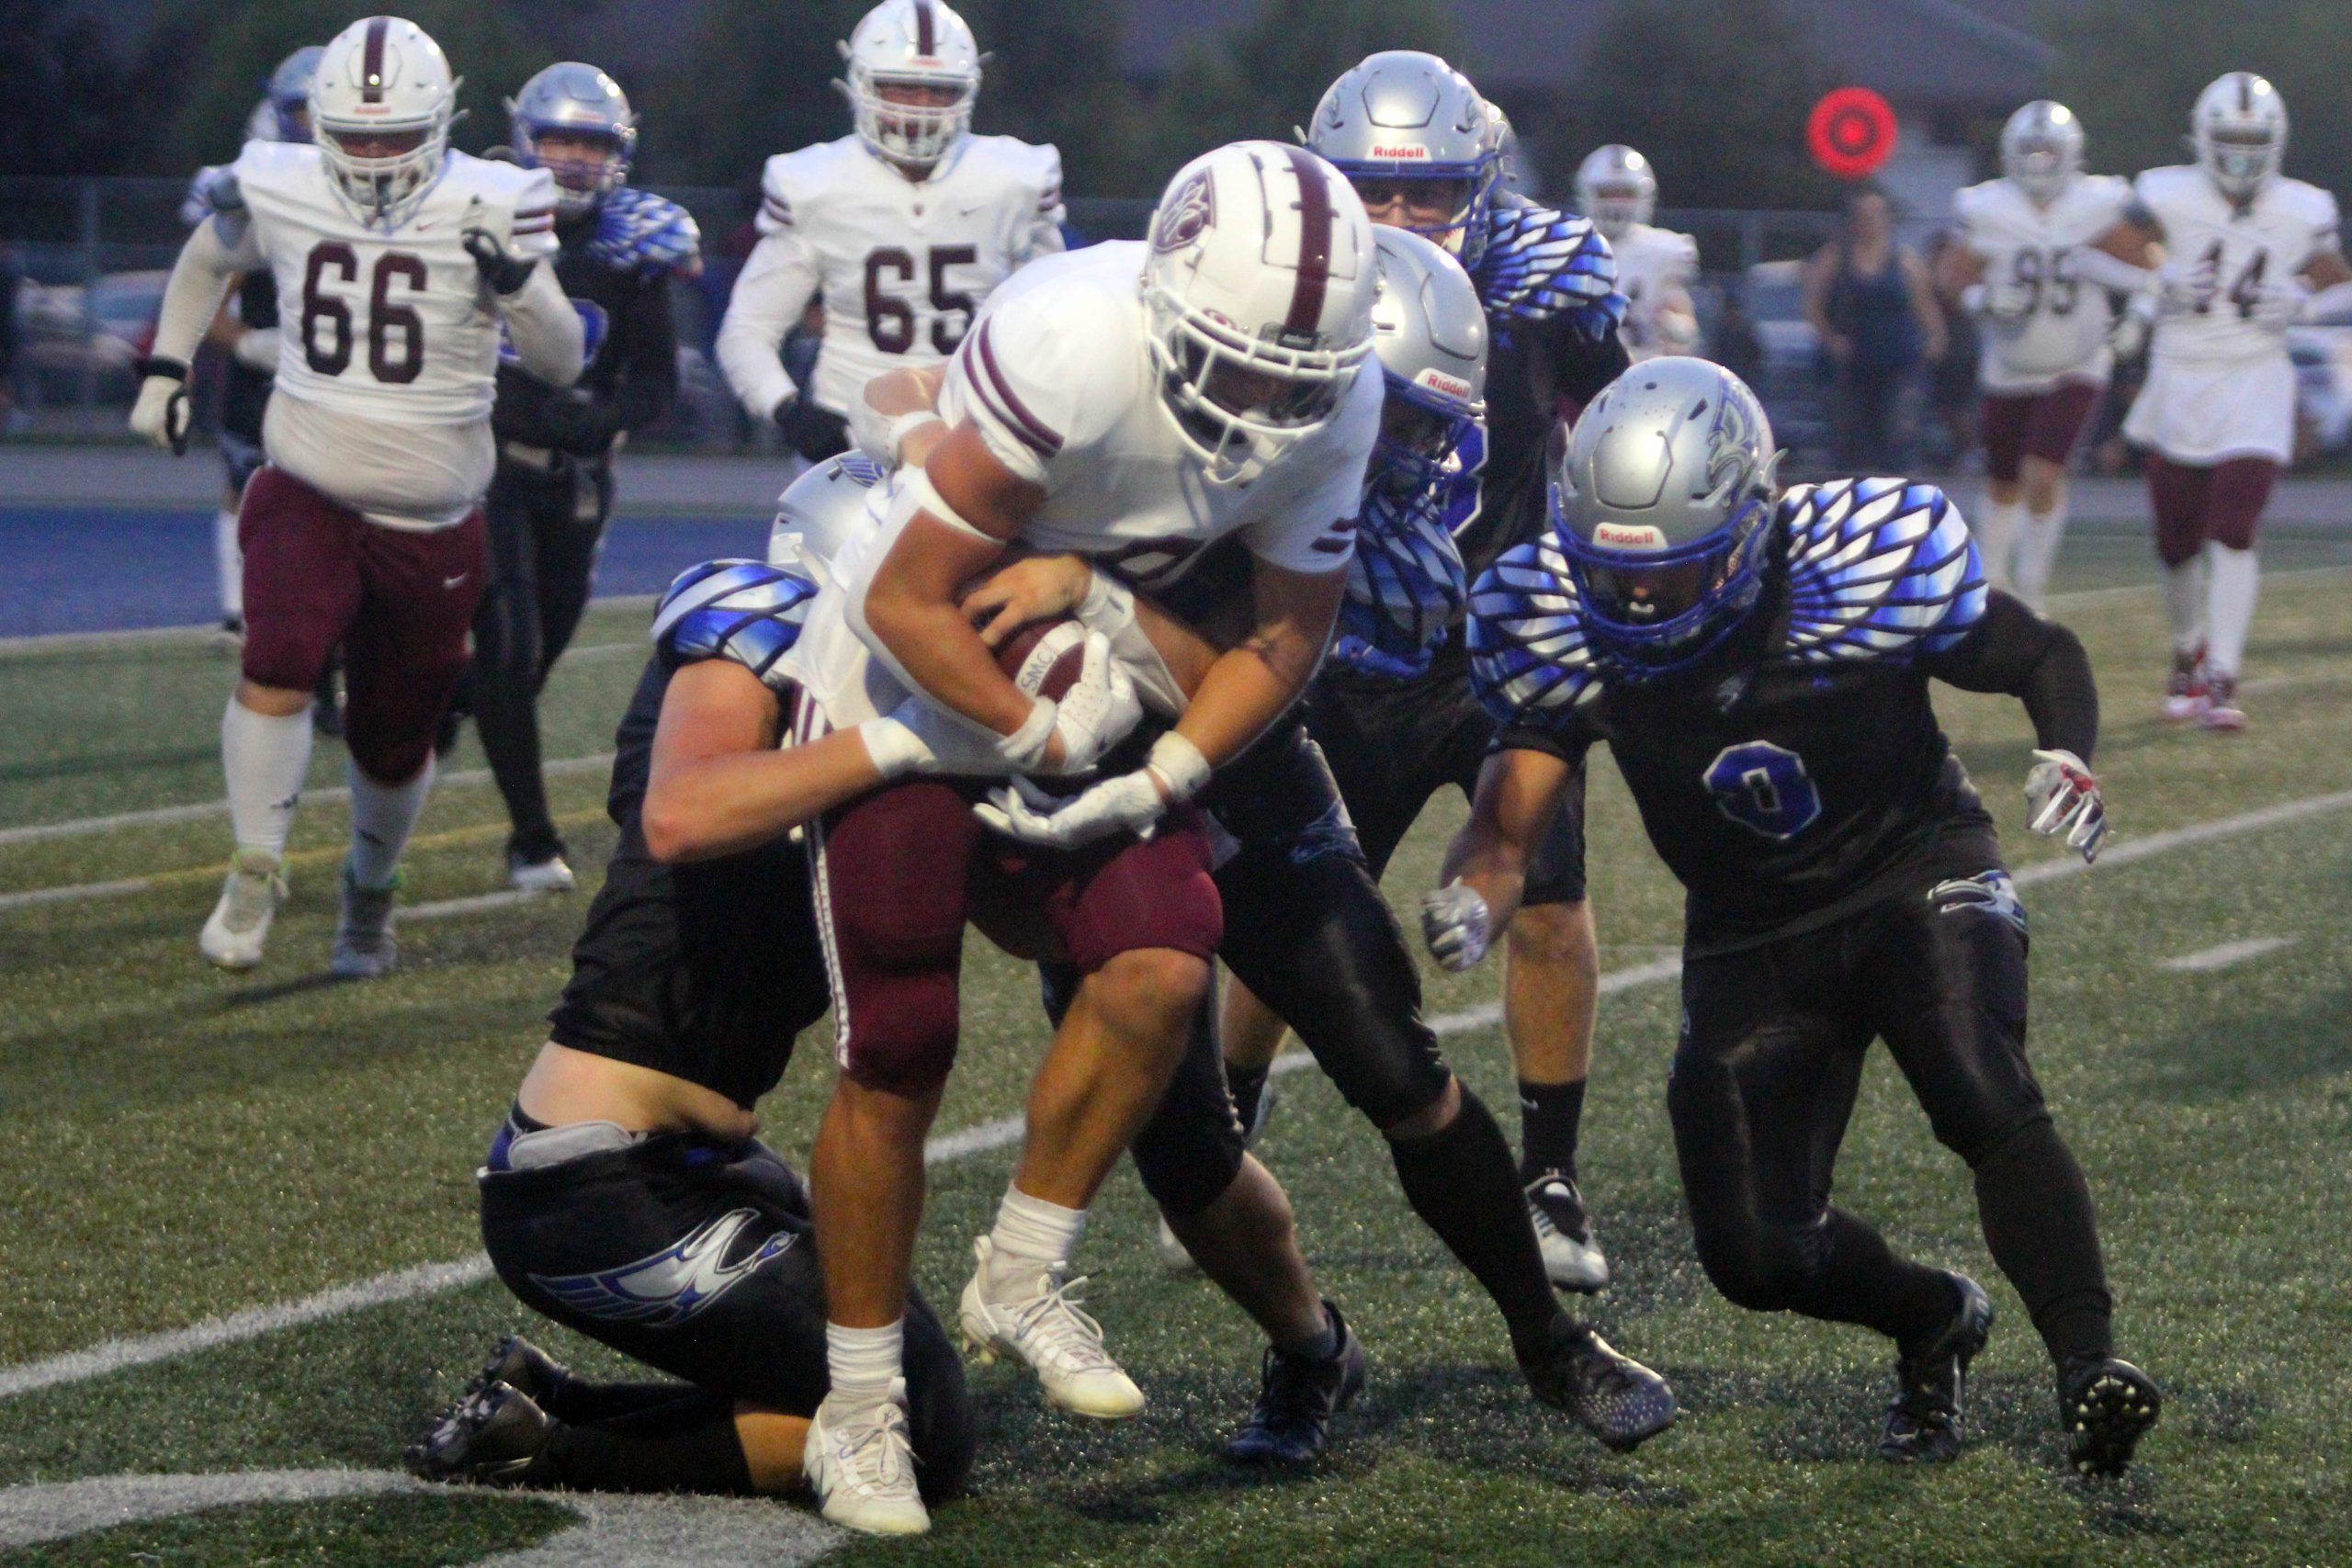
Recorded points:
2082,597
80,891
2228,955
338,794
114,1355
77,642
612,1530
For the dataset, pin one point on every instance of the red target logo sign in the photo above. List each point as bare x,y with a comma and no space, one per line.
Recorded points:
1850,132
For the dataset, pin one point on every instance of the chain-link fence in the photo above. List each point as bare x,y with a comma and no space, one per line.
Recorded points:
88,258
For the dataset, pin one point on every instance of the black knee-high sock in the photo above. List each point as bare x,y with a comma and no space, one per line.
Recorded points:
581,1402
1549,1117
1461,1182
1857,1279
2043,1232
679,1448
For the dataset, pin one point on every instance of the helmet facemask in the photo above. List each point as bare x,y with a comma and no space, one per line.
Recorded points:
587,165
1658,611
2241,158
1239,402
1447,209
2040,166
383,171
1419,434
912,118
1617,207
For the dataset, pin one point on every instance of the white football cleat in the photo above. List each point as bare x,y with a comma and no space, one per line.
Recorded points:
861,1464
238,924
1061,1343
2187,692
552,874
1172,1254
2221,710
1572,1257
364,948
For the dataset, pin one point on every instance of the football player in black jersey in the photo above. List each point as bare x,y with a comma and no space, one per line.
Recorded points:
1759,665
1398,731
626,1195
552,492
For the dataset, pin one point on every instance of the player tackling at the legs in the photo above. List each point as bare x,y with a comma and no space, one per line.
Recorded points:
397,259
1758,664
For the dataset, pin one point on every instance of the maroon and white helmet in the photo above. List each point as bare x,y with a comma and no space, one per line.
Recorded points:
383,78
918,44
1258,290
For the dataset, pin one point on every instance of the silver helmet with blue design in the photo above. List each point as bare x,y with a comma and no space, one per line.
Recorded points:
1405,118
589,116
821,511
1429,331
1662,505
289,93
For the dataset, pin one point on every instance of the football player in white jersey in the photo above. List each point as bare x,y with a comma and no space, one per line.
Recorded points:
397,260
1131,403
2045,360
2239,253
1618,190
903,227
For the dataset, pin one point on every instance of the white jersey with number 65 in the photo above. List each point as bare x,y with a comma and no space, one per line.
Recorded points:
902,265
2048,325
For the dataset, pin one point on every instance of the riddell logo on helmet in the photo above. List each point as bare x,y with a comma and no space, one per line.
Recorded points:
1186,213
1439,381
1409,154
1629,536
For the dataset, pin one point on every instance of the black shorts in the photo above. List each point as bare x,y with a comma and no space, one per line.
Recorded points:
704,971
1392,747
698,1258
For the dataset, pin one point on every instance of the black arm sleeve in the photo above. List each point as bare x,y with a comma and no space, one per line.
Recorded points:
1582,365
631,383
2014,650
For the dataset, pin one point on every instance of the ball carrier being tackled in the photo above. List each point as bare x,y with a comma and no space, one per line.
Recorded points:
1758,664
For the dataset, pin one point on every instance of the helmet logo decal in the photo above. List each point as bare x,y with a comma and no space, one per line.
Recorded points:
371,66
1408,152
1186,214
1437,380
1629,536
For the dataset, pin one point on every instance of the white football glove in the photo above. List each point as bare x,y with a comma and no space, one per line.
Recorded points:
2061,795
257,349
2282,305
1095,714
1457,925
161,414
1130,803
2184,284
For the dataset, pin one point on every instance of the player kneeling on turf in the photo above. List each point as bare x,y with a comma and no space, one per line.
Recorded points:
1759,665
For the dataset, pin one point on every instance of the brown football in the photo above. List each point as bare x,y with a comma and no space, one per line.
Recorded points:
1045,658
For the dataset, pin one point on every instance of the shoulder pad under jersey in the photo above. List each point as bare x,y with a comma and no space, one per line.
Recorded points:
639,232
1527,657
1540,263
1877,568
744,610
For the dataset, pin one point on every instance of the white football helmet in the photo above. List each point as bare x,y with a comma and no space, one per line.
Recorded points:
822,510
2041,150
1617,189
911,43
1259,290
383,78
2239,129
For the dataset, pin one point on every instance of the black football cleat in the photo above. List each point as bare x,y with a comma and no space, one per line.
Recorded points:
2107,1406
1614,1397
1291,1423
524,1367
1923,1422
488,1439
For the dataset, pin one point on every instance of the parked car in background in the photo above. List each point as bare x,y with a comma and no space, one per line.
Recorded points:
69,336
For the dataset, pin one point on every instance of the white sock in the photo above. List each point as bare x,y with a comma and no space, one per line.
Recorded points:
231,562
2037,550
1030,1240
2236,578
1996,531
264,760
382,816
864,1361
2184,603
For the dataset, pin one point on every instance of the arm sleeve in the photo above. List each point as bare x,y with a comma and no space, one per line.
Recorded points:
1569,740
776,286
648,355
550,342
2013,650
1582,364
1043,235
215,254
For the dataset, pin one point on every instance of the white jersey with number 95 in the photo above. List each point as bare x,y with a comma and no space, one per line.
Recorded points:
2046,326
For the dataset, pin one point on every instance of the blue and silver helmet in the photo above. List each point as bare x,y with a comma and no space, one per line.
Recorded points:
1429,330
1663,506
575,100
1405,117
289,92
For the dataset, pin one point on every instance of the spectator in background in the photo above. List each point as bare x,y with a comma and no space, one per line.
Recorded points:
13,420
1870,299
1732,340
1952,390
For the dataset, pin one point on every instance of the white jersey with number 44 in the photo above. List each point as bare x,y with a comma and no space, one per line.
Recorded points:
2050,326
2234,255
392,325
903,265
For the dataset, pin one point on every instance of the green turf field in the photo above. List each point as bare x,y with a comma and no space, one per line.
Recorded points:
177,1144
